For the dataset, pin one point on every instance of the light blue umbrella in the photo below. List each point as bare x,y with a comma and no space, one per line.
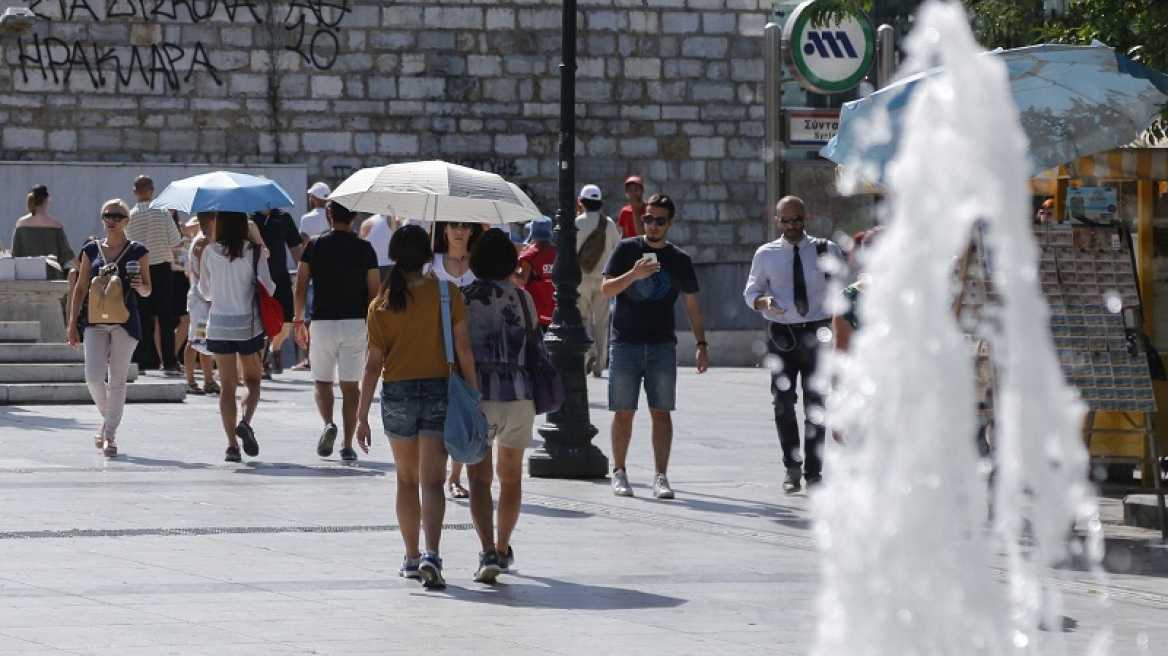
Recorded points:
1073,101
223,191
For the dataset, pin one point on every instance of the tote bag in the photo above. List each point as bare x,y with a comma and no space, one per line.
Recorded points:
547,387
466,428
270,310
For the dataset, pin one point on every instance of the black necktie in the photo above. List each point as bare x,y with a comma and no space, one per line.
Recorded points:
800,285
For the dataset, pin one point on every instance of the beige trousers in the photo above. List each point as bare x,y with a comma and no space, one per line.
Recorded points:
595,310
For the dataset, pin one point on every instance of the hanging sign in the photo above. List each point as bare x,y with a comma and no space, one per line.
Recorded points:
832,57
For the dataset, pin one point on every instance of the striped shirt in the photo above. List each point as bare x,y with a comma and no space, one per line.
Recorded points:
156,230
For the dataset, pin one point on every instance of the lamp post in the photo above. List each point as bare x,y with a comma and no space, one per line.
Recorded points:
567,451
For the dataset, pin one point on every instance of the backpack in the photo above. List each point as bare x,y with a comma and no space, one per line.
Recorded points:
593,247
106,297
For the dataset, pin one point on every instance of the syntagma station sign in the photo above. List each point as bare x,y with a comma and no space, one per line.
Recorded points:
832,57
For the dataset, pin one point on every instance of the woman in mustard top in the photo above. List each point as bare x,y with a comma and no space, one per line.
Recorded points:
407,351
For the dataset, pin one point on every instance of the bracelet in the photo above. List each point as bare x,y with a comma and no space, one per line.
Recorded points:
702,343
297,322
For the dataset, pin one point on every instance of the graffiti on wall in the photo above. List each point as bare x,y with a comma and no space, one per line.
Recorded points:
309,28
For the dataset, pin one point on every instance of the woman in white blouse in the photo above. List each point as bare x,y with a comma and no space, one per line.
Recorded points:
228,270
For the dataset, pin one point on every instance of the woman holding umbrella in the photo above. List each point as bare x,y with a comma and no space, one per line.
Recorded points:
407,352
109,346
228,270
452,244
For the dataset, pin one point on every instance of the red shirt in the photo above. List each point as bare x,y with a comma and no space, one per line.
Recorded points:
627,221
541,257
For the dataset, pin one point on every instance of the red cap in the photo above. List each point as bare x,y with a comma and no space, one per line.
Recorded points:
634,179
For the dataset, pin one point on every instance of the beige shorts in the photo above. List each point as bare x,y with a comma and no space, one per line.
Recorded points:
337,350
512,422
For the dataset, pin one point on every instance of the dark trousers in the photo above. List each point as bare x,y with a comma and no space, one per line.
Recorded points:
797,348
157,309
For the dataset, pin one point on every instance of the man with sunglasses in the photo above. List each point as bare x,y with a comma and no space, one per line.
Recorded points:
788,284
646,274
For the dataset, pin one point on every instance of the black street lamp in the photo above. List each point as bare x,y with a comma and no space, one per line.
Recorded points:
567,451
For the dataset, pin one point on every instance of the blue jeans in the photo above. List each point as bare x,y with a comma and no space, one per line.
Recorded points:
630,364
410,408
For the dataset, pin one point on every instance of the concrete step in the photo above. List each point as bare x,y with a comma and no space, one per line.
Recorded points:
20,331
40,353
50,372
59,393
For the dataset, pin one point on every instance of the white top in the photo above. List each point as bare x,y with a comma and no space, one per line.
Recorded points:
314,223
439,269
770,275
230,287
156,230
585,224
378,237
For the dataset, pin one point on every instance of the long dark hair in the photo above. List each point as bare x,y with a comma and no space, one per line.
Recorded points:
231,233
409,248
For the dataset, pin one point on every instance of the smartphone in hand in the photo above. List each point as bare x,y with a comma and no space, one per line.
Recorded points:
652,257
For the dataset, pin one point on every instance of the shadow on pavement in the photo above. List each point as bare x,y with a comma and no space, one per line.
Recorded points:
561,595
260,468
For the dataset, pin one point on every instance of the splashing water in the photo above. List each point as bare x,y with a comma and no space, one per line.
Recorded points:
903,523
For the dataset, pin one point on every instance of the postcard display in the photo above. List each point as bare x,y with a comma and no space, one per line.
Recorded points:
1089,283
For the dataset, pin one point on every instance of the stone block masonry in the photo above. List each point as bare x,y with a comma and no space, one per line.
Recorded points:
341,84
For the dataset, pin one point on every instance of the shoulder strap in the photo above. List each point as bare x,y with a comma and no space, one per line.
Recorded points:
820,250
121,253
444,294
527,320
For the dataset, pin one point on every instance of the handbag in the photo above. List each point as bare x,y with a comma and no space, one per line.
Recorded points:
106,297
466,429
270,310
547,387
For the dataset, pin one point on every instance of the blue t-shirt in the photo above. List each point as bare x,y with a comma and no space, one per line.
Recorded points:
644,311
134,251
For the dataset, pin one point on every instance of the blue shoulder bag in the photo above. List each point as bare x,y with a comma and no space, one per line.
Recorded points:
466,428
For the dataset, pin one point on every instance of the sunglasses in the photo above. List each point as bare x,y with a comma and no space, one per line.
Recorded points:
798,218
462,226
649,219
114,216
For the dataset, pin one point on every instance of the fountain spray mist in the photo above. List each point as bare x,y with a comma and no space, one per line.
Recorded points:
903,523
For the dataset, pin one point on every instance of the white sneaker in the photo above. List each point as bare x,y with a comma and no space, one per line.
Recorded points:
620,483
661,488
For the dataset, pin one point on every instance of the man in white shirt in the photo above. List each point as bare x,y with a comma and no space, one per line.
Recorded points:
596,238
158,232
788,284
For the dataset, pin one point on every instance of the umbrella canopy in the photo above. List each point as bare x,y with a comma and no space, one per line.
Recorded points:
435,191
1072,101
223,191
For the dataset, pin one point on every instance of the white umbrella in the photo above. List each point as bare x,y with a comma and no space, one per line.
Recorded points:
435,191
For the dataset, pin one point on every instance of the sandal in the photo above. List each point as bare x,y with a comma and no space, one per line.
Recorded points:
193,388
211,388
99,437
110,449
456,490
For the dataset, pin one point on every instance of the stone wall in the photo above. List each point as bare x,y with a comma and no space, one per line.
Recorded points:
668,89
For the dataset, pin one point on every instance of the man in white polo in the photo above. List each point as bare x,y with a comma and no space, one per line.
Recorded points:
343,269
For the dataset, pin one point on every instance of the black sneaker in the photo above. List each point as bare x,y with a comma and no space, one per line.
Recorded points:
246,435
349,454
232,455
793,482
507,560
324,447
489,568
430,569
813,481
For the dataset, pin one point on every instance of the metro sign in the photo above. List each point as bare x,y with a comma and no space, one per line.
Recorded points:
829,58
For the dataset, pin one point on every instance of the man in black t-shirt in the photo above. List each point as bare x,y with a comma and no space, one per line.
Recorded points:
646,274
281,237
343,271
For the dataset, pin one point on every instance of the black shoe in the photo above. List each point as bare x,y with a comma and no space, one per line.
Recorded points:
813,480
246,435
277,363
324,447
507,560
793,482
349,454
232,455
489,568
173,370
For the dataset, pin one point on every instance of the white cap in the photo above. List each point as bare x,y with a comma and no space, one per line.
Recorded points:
591,192
320,190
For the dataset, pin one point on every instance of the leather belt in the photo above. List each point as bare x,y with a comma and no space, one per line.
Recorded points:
806,325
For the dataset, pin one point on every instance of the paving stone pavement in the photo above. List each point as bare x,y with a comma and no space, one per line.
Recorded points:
169,550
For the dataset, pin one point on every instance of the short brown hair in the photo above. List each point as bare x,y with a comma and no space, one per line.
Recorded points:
143,183
661,200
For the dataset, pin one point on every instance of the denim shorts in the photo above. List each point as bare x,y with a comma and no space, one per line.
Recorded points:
630,364
229,346
410,408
